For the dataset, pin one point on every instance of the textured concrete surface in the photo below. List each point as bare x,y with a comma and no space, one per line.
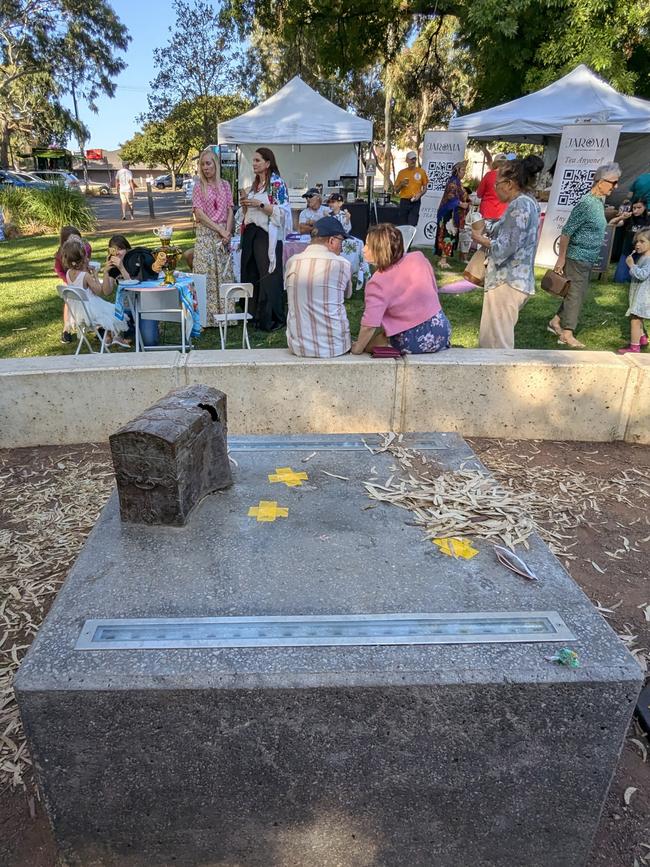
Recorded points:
487,755
638,425
531,394
272,391
522,393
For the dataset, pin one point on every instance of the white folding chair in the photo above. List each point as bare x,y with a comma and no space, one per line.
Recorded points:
408,233
164,305
234,292
81,318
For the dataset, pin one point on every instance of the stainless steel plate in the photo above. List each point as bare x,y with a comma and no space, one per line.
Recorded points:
335,630
331,442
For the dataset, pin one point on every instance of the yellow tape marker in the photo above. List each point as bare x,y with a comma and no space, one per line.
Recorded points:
456,548
290,478
267,511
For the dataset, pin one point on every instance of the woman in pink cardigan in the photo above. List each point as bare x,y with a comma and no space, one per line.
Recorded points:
401,298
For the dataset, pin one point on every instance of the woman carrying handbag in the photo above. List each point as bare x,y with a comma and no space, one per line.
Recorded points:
510,274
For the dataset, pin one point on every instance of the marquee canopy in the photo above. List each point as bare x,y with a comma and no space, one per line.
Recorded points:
295,115
579,97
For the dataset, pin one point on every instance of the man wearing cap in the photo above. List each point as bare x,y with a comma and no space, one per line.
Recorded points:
317,282
411,184
314,211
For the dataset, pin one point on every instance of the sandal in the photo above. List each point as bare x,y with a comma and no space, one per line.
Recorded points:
631,348
120,342
556,331
574,345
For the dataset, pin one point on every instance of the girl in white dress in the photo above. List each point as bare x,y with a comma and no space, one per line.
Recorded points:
80,277
639,304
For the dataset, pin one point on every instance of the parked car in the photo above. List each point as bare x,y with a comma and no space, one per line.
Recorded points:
163,181
58,177
9,178
95,188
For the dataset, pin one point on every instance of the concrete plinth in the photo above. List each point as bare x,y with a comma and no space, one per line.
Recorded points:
315,756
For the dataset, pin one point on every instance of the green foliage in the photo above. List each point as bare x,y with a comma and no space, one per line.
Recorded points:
45,210
173,140
505,50
544,39
47,47
198,62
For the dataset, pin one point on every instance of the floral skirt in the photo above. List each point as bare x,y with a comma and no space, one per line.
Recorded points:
214,260
430,336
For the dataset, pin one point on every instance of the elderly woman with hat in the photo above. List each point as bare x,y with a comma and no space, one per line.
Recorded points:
314,211
451,214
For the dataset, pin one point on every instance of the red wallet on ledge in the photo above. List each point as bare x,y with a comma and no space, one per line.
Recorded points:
386,352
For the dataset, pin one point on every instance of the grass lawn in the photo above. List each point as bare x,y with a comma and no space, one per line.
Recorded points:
30,309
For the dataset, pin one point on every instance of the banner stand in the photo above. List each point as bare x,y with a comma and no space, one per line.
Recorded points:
441,151
583,148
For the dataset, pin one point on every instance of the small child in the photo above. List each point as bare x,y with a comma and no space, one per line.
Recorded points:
639,304
67,232
79,275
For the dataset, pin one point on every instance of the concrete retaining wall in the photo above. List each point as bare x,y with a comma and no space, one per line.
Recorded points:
531,394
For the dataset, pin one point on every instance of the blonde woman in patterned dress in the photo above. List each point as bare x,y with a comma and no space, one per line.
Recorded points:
213,210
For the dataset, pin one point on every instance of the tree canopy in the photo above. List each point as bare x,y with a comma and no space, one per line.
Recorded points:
48,47
198,63
506,49
172,140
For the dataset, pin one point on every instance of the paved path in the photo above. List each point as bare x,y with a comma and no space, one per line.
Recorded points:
169,207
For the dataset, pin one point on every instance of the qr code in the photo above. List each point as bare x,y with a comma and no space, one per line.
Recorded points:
439,173
575,184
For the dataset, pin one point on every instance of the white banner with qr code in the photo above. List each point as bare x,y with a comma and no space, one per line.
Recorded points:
583,148
440,153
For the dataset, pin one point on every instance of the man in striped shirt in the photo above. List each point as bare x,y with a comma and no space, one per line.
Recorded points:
317,282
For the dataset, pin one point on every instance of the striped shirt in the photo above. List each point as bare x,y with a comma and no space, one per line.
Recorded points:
317,282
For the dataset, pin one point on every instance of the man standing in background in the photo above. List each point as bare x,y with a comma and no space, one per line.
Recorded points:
126,188
411,184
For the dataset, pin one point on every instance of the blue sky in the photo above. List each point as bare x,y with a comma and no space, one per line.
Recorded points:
148,24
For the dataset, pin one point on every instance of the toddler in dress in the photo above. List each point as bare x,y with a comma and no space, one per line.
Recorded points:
80,277
639,304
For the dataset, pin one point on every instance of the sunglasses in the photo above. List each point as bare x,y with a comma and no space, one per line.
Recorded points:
607,181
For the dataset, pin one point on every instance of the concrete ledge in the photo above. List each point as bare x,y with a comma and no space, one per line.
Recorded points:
638,420
531,394
594,396
271,391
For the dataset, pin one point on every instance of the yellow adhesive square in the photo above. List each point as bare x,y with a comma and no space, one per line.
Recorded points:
291,478
267,511
456,548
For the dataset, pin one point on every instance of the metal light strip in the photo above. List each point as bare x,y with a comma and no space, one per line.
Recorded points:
331,630
335,442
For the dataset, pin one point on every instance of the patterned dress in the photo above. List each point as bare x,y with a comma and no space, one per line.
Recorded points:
211,257
450,216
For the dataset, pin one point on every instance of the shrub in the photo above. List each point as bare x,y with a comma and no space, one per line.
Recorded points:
34,211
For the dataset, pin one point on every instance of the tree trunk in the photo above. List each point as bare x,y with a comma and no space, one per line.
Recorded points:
4,145
388,108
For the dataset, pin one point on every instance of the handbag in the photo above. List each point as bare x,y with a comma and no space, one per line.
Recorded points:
556,284
475,269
